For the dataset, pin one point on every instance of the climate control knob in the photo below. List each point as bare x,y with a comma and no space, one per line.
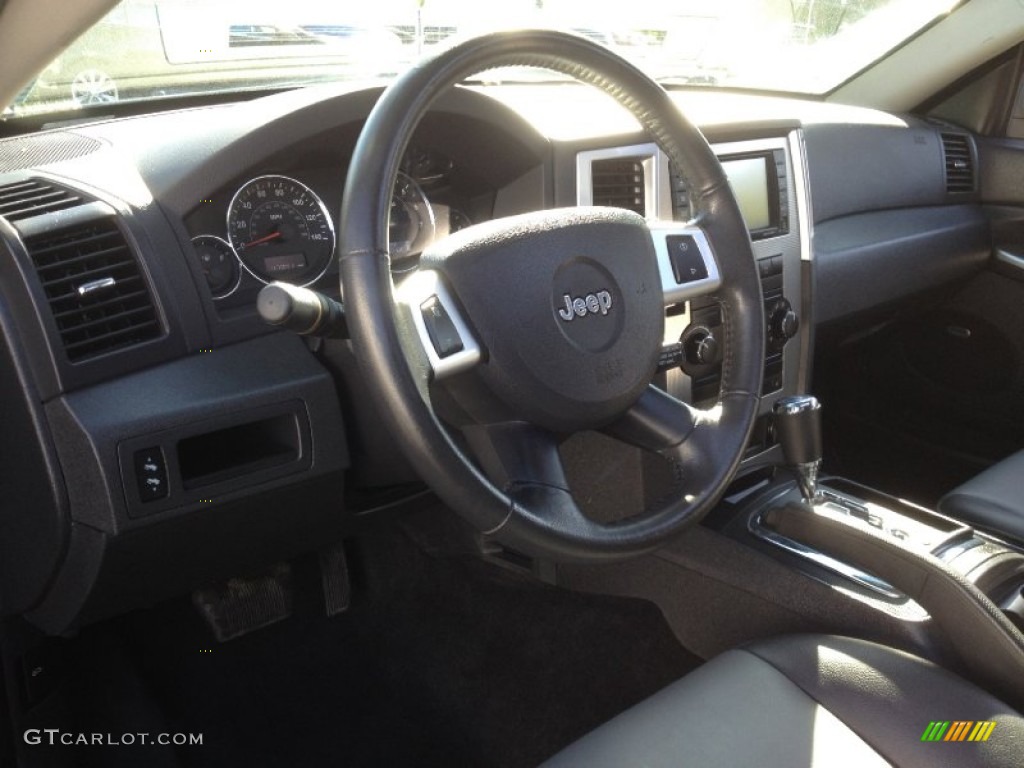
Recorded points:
700,347
783,324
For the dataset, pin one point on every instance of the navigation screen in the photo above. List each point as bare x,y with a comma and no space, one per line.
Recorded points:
748,177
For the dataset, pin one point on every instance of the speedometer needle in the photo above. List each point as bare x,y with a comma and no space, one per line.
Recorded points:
263,239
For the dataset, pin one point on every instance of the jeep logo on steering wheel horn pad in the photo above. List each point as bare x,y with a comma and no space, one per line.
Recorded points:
581,306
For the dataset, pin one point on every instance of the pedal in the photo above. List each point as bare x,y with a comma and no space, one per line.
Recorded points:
334,577
240,606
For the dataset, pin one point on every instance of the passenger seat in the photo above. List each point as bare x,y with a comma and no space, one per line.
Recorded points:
993,500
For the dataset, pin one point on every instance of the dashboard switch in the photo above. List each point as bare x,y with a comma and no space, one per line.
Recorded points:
443,334
687,262
151,474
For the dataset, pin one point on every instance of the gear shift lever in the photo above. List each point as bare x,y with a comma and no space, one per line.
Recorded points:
798,429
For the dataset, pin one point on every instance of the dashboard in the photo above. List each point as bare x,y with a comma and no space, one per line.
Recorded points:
158,434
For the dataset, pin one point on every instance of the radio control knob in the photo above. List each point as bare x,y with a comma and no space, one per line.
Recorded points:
700,347
783,323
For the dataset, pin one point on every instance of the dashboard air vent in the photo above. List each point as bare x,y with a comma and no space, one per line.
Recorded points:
95,289
619,183
34,197
959,163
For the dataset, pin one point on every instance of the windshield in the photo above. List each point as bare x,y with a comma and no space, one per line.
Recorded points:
146,49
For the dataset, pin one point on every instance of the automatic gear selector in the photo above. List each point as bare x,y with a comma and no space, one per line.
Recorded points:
798,429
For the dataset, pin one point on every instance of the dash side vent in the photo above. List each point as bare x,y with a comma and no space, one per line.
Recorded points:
619,183
34,197
959,163
95,289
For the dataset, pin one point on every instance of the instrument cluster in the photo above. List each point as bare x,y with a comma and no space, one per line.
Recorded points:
277,228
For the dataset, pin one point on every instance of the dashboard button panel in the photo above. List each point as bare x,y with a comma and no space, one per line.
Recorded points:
150,474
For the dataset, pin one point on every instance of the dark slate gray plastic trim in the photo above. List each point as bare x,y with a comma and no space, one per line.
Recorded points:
871,259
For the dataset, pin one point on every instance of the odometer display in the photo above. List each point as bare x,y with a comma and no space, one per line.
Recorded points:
280,230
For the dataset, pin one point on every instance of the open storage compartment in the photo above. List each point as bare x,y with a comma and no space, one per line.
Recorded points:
241,449
207,459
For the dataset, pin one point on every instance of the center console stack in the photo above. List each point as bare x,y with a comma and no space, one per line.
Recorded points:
768,177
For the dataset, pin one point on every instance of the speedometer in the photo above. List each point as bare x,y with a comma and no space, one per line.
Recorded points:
280,230
411,223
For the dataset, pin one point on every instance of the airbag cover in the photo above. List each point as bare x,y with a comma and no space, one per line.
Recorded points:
568,305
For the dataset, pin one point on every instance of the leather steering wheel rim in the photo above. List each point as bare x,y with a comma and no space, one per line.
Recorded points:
514,490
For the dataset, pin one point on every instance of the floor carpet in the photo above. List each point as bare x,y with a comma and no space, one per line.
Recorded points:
439,661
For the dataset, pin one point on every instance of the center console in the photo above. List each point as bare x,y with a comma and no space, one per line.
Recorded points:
956,594
970,584
996,567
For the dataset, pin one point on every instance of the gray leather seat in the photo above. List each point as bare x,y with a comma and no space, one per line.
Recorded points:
993,500
805,700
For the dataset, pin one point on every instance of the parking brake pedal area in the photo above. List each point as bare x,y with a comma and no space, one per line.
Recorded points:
240,606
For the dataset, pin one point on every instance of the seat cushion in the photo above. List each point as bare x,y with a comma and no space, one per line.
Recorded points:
807,700
993,500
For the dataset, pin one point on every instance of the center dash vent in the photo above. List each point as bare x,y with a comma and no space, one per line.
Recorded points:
959,163
95,289
619,183
24,199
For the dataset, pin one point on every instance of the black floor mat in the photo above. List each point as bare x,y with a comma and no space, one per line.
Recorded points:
438,662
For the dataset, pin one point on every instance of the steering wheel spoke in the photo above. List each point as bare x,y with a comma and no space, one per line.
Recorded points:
517,453
523,460
686,261
444,334
657,422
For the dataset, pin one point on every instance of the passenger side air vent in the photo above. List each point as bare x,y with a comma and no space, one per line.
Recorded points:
95,289
34,197
959,163
619,183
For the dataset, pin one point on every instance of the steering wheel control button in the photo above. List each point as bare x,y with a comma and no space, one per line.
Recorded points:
444,336
449,344
687,261
672,356
686,264
150,474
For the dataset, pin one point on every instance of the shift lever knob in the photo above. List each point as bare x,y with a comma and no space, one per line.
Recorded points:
798,429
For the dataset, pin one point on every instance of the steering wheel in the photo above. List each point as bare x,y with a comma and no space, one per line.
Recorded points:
516,333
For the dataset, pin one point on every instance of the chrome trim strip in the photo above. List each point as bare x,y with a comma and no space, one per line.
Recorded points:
802,190
1010,259
757,527
96,285
657,192
947,552
415,290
